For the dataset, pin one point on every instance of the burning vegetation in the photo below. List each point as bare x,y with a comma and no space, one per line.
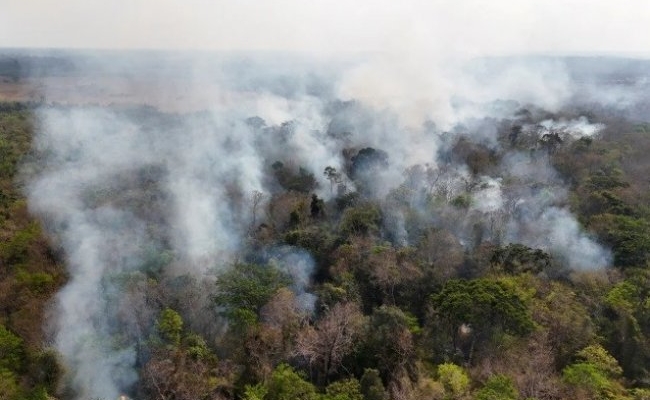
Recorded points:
295,237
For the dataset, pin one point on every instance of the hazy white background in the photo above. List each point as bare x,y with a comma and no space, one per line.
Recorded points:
472,27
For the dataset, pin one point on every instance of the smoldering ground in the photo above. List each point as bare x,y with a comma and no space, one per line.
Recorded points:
129,190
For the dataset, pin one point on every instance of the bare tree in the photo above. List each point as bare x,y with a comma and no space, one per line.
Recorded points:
335,336
414,176
390,268
442,251
530,364
174,375
283,314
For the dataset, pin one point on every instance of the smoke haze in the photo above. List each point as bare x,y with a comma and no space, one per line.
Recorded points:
118,183
471,27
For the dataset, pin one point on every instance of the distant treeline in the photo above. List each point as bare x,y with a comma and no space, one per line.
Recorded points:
16,67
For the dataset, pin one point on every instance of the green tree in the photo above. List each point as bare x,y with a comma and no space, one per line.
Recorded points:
475,308
564,316
12,355
361,220
628,236
287,384
599,357
255,392
46,370
516,258
595,371
498,387
389,343
628,323
170,326
454,379
586,376
345,389
371,385
245,288
9,388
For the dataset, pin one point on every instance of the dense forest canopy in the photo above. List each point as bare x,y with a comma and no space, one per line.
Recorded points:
261,229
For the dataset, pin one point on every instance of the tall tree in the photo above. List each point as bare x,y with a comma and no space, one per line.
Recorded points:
474,308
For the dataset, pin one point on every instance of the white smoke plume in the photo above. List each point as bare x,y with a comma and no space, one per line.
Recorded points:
118,182
575,128
556,230
299,265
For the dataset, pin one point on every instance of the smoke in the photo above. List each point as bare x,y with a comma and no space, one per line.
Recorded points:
575,128
447,88
299,265
119,184
558,231
488,198
84,328
111,189
129,191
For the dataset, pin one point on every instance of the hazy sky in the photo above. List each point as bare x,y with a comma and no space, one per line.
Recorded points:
471,26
